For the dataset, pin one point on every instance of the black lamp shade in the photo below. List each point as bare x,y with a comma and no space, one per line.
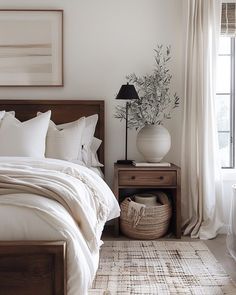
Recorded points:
127,92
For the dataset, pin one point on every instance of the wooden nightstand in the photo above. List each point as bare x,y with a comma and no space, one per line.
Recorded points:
129,179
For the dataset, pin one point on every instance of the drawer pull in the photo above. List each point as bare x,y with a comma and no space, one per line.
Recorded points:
133,177
161,177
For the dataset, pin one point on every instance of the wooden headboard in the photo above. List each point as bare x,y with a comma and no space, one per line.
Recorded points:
63,111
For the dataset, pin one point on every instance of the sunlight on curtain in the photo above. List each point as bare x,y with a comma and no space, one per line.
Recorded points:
200,163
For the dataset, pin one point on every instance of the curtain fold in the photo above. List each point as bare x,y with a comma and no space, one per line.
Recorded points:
200,162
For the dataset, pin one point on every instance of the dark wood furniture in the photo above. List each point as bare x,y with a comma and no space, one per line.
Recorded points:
38,267
129,179
32,268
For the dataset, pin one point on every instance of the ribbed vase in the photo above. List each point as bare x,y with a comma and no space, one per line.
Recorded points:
153,142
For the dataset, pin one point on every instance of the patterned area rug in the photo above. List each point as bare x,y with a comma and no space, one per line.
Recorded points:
153,267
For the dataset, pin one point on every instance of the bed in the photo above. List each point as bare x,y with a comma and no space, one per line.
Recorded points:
47,248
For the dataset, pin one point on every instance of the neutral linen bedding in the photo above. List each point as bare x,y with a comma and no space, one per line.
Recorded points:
51,199
98,171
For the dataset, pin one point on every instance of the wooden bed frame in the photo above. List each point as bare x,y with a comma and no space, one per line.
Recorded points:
28,268
39,267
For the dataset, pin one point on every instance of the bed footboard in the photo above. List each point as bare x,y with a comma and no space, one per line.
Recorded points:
32,268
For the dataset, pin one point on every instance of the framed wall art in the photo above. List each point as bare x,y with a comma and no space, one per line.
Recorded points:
31,47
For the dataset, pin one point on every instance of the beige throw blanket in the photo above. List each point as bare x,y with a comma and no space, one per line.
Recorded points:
63,188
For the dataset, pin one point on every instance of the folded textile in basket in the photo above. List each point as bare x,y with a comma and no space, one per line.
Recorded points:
135,211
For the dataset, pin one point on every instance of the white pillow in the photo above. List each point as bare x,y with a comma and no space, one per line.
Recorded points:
66,143
89,130
89,153
24,139
90,143
2,114
94,148
90,126
87,140
85,154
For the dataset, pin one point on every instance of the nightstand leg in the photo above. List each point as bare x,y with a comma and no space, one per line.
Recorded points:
116,193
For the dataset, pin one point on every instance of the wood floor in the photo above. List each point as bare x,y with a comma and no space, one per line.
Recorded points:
217,246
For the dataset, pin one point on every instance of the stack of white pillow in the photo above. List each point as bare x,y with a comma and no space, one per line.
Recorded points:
39,137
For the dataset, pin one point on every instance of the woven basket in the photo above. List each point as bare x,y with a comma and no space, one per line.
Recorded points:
154,224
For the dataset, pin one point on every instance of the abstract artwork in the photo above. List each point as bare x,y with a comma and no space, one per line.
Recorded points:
31,48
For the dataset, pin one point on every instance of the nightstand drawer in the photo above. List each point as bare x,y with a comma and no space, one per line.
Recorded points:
145,178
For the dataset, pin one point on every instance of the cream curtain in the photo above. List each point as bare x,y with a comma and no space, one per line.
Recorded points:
201,172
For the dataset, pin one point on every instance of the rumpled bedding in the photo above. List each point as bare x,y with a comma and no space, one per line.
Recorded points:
56,200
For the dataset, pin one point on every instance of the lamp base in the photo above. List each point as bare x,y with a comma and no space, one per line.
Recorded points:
124,162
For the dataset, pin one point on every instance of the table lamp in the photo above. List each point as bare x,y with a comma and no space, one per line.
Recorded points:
127,92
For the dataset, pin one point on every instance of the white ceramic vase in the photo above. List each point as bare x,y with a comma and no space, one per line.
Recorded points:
153,142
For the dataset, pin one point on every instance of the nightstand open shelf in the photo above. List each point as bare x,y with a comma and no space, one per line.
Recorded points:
129,180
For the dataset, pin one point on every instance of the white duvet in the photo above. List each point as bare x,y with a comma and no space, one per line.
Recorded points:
27,216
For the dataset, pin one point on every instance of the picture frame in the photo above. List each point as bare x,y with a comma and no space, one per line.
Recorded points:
31,47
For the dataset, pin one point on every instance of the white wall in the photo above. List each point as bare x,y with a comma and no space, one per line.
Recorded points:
103,42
